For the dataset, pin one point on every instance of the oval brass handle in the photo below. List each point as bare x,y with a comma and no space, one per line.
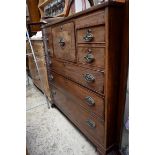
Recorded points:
90,101
90,123
89,58
88,36
89,77
61,42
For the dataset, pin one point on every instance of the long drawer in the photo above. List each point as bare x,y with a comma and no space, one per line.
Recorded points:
91,126
89,78
87,99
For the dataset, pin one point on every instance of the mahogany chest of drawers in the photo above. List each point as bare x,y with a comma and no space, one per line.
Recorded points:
83,62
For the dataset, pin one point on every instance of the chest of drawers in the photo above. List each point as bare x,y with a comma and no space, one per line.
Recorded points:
83,62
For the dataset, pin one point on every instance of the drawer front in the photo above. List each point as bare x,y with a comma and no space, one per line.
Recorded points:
92,56
89,78
64,42
94,34
87,99
93,127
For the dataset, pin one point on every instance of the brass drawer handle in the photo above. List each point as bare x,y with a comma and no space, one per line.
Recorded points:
89,57
88,36
61,42
89,77
90,123
90,101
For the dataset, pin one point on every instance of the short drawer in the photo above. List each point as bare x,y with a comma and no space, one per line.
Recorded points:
89,78
92,127
94,34
87,99
64,41
92,56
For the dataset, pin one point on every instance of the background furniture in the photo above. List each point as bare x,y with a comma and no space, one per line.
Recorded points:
84,55
39,53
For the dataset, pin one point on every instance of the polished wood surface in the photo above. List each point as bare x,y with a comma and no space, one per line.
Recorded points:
124,70
97,31
80,94
66,33
79,115
112,64
86,69
97,52
78,74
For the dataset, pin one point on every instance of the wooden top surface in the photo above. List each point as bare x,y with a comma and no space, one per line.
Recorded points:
94,8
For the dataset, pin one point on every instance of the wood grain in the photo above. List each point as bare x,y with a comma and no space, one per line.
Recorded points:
65,32
79,94
77,74
97,31
90,20
34,14
78,114
67,69
96,51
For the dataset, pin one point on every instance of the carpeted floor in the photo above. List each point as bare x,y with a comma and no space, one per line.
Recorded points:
49,132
